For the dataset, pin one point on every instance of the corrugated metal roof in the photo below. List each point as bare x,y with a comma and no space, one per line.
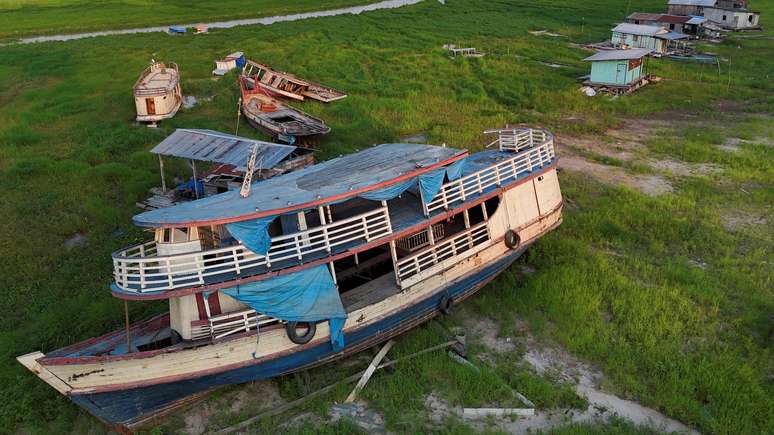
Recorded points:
638,29
326,182
644,16
634,53
705,3
674,19
214,146
673,36
696,20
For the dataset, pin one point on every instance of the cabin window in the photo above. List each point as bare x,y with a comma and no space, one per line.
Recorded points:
166,235
180,235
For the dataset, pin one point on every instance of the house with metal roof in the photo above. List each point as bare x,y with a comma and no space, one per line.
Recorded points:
656,38
688,25
689,7
618,71
733,19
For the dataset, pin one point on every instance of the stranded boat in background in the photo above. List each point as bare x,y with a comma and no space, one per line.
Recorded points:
267,113
289,86
157,93
311,266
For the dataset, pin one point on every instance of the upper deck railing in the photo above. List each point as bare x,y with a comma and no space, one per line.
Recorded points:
534,149
140,269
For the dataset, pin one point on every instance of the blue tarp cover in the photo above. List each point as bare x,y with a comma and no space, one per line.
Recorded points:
306,296
254,234
389,192
456,169
430,184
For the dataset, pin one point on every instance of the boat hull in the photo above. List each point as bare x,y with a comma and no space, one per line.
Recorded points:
129,407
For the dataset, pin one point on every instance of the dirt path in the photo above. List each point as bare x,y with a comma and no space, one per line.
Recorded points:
387,4
566,368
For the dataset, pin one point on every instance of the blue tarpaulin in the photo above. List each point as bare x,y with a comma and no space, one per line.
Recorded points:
389,192
189,185
456,169
254,234
430,184
306,296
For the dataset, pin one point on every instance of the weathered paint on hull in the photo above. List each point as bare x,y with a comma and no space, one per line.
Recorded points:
126,407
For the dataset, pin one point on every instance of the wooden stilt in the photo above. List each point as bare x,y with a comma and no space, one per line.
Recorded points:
161,169
196,181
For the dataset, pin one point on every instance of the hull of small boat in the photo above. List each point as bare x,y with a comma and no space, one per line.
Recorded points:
130,406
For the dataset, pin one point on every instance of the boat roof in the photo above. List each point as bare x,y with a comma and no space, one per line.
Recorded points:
214,146
324,183
644,16
634,53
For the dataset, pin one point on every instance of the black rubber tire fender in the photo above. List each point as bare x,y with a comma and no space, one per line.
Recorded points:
445,304
292,330
512,239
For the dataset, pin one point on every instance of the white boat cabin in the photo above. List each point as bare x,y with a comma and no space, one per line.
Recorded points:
383,221
157,93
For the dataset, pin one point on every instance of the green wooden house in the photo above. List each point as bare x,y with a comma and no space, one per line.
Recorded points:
618,68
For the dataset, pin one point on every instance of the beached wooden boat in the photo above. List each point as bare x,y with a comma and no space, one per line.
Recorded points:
313,265
289,86
157,93
267,113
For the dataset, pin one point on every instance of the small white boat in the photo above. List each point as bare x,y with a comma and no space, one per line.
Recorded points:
157,93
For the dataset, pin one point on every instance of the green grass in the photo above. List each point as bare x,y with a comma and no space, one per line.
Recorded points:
21,18
615,284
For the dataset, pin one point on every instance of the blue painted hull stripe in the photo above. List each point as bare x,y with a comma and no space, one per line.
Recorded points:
127,406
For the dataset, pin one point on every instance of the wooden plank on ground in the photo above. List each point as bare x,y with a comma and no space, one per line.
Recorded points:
369,371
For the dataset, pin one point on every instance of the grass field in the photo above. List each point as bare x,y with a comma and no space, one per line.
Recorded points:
670,295
20,18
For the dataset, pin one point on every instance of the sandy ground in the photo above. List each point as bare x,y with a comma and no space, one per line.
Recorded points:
564,367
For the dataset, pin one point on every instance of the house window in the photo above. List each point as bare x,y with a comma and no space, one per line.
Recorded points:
749,18
671,27
635,38
724,18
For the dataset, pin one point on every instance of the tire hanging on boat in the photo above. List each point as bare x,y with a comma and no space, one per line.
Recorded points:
512,240
292,330
444,306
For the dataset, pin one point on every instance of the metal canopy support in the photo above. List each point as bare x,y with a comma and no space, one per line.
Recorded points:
161,169
195,179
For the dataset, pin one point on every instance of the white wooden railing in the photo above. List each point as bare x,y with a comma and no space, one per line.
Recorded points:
414,267
226,324
518,139
529,156
139,268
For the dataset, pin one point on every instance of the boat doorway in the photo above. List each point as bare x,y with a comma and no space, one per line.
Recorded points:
150,106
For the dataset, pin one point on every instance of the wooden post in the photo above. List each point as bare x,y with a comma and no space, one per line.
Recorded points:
161,169
369,371
196,181
128,335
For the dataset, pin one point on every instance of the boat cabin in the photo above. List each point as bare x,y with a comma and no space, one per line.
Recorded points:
157,93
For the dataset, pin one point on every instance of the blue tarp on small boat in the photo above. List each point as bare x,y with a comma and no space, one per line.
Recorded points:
177,29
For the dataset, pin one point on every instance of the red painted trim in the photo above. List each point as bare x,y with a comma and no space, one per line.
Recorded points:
394,236
214,301
200,306
317,202
151,353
